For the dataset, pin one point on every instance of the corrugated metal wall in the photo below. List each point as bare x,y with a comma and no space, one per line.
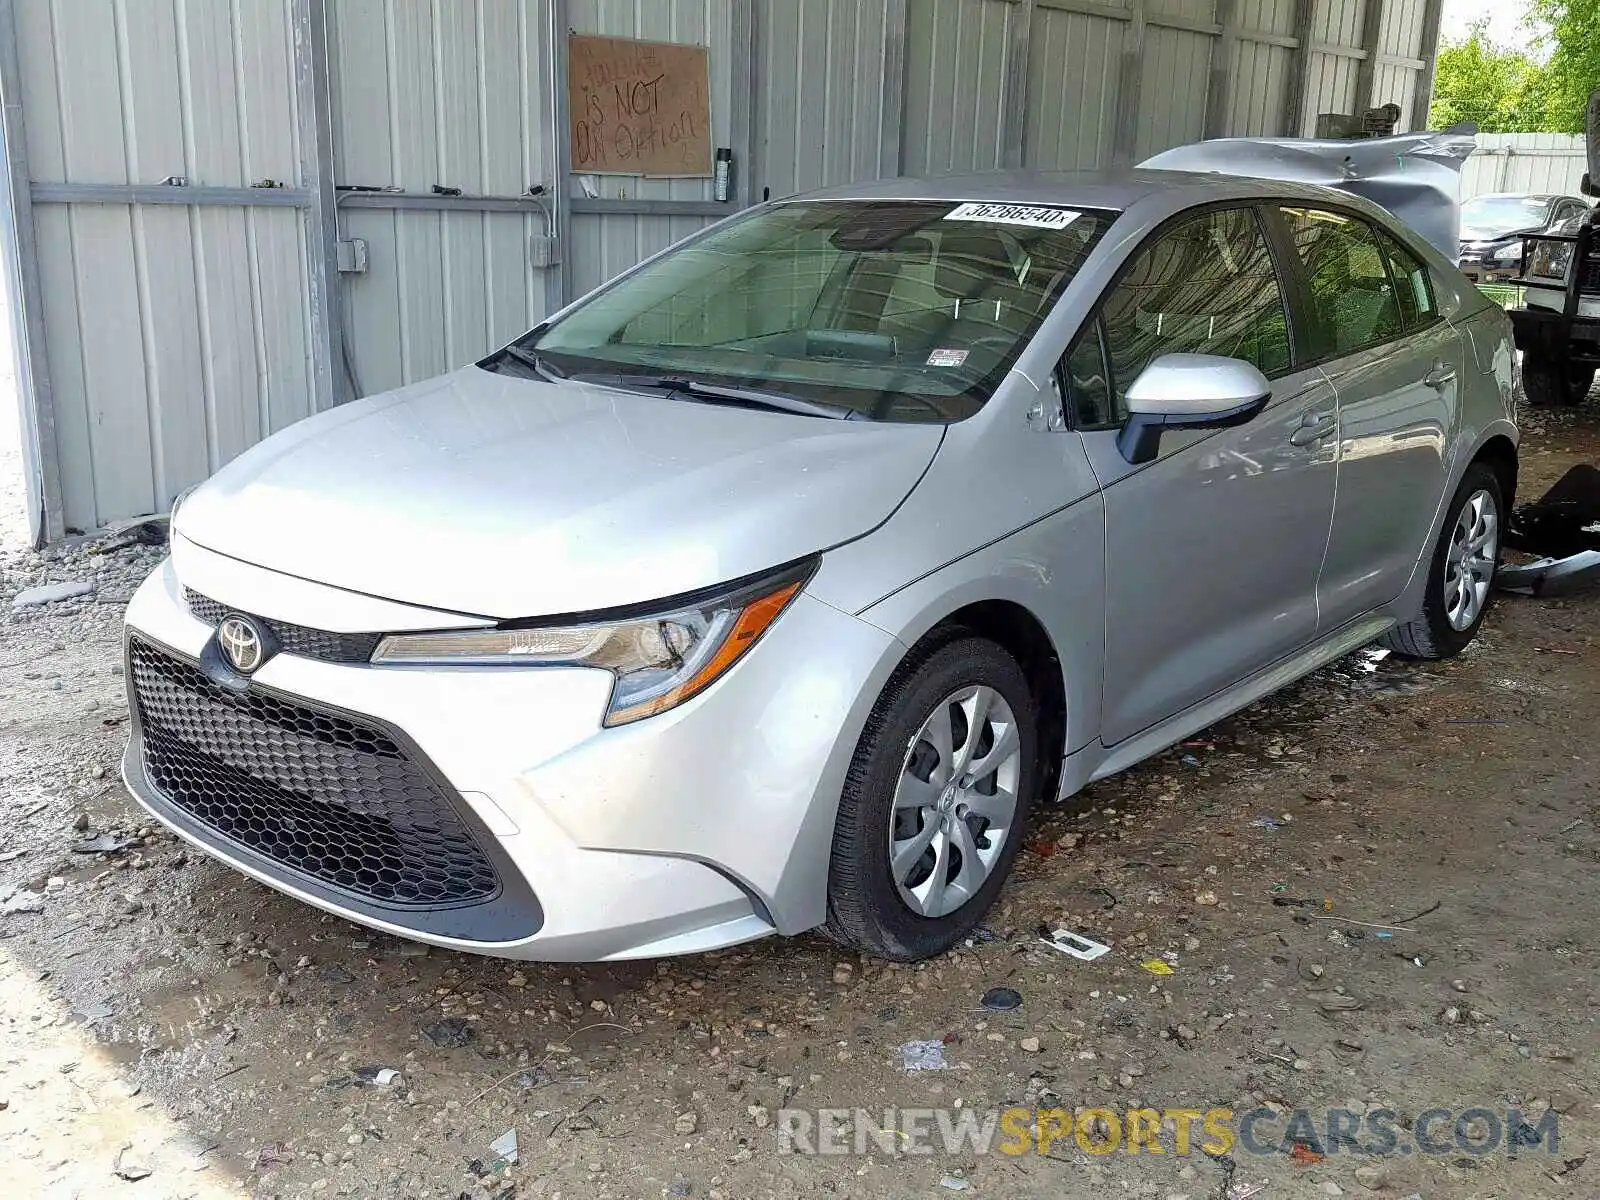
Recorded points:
1524,162
176,335
428,93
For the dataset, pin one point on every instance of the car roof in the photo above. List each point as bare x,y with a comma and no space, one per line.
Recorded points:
1545,196
1116,190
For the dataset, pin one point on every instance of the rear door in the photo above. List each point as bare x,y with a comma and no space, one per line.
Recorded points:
1395,366
1212,550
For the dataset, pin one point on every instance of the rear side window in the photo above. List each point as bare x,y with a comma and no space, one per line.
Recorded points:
1353,303
1413,288
1205,286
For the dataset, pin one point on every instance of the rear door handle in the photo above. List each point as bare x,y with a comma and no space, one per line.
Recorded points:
1313,428
1441,374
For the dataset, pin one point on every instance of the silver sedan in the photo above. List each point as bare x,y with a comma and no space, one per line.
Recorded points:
774,585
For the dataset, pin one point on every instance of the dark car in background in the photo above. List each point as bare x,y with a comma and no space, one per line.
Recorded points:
1492,229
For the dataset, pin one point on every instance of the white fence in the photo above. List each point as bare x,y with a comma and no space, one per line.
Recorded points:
1524,162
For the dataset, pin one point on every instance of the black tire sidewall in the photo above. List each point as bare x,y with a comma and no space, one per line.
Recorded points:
883,916
1447,638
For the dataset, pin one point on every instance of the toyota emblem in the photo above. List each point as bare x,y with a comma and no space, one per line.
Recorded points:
242,644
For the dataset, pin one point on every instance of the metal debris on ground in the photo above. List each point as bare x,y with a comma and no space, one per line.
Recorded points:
449,1034
50,593
1001,999
1269,823
1074,945
923,1056
106,843
1563,527
506,1145
128,1167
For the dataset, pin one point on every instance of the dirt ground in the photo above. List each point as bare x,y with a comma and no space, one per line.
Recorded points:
163,1014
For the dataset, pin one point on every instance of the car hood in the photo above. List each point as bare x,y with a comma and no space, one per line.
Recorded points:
1479,233
501,496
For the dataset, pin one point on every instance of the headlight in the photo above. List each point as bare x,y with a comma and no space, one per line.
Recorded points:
657,660
1549,260
1509,254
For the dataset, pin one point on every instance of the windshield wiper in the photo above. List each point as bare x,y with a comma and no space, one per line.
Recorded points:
530,360
715,392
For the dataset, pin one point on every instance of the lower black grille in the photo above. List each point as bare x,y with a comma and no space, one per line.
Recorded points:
1589,276
319,793
293,639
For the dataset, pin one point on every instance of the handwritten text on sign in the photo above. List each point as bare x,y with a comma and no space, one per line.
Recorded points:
639,108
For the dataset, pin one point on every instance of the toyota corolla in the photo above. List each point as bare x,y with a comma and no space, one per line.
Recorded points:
773,585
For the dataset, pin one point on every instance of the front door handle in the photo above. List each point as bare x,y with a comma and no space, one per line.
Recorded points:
1441,374
1314,426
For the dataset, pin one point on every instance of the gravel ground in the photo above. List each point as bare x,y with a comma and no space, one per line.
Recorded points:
163,1014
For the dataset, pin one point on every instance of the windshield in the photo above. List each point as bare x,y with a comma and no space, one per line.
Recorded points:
890,310
1493,215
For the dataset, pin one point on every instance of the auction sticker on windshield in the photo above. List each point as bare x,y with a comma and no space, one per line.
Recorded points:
1013,214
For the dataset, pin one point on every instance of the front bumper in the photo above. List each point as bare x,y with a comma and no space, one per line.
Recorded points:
1573,339
703,827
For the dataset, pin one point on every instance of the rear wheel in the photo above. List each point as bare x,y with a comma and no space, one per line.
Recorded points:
1461,576
1549,384
932,812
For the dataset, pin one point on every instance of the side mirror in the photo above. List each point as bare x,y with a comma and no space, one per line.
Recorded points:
1189,391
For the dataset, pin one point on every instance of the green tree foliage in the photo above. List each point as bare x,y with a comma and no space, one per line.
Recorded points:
1573,69
1500,89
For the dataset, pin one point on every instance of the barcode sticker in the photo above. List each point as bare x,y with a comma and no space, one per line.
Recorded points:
1013,214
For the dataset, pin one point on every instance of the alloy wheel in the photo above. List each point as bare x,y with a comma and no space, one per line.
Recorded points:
956,801
1469,563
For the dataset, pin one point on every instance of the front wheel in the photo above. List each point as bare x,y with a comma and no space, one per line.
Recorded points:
1550,384
933,809
1461,576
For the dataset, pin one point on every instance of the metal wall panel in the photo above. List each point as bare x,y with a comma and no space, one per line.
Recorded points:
1073,60
177,336
1267,16
1176,76
1524,162
445,93
1259,102
1330,87
954,85
820,82
603,245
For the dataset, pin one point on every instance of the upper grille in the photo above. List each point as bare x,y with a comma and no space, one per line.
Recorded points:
293,639
319,793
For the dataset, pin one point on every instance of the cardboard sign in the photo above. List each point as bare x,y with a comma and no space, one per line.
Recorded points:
639,108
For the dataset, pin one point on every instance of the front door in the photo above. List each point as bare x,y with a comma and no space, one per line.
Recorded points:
1212,550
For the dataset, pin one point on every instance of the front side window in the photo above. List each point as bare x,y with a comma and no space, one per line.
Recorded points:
1207,286
894,310
1352,301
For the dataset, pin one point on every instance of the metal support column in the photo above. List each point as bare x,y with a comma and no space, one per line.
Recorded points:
558,148
892,99
1300,70
1371,44
1422,84
41,463
314,109
742,105
1125,137
1014,99
1219,89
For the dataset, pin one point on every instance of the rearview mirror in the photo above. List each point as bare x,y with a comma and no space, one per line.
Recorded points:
1189,391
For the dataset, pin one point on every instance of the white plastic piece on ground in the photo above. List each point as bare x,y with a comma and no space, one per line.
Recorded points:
1075,945
49,593
506,1145
1415,176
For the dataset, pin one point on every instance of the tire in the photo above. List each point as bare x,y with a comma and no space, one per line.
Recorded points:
1433,634
867,908
1548,385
